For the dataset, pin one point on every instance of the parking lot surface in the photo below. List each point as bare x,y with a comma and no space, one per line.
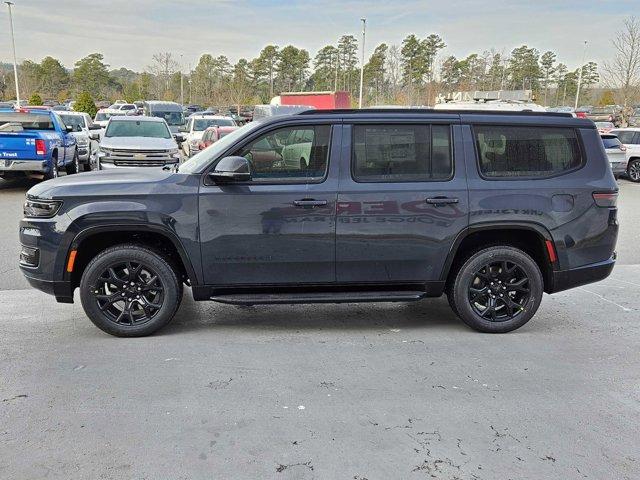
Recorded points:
373,391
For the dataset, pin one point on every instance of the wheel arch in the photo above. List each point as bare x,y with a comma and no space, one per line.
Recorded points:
529,237
91,240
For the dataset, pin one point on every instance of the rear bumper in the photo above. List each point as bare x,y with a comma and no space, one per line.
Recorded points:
7,165
594,272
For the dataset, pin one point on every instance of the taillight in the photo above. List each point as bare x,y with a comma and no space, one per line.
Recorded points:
41,147
605,199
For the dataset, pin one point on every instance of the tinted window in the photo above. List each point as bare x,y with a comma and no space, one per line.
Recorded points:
28,121
611,142
526,151
401,153
200,124
126,128
626,136
289,154
172,118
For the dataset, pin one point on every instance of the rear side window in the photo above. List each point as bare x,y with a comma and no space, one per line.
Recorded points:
628,136
401,153
611,142
506,151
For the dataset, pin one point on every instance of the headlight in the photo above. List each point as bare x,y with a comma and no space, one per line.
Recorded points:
41,208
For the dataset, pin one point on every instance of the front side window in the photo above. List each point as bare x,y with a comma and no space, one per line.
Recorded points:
626,136
289,154
506,151
401,153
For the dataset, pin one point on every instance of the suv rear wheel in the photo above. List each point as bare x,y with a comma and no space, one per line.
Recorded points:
633,170
130,291
497,290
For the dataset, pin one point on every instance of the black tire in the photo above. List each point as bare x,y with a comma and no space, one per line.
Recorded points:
75,164
633,170
130,291
497,289
53,172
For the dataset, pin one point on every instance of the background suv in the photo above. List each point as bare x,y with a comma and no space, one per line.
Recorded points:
492,209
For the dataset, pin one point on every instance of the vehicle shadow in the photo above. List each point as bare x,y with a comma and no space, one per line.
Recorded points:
17,184
428,313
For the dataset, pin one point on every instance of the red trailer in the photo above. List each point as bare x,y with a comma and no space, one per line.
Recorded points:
320,100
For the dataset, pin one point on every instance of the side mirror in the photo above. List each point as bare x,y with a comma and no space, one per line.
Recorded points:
94,136
95,126
232,169
182,129
69,128
178,137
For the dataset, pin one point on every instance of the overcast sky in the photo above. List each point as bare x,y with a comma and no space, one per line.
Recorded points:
129,32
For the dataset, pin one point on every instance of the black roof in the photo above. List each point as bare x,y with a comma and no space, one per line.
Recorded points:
431,111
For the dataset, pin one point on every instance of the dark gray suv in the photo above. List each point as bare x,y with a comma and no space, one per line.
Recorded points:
492,209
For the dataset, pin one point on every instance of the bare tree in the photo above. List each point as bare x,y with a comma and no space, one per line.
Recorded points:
624,70
163,66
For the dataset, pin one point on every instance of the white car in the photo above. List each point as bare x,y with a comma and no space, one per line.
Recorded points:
616,154
85,133
630,138
195,127
125,108
103,115
133,141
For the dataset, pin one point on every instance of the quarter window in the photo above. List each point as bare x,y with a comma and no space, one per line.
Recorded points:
506,151
401,153
292,154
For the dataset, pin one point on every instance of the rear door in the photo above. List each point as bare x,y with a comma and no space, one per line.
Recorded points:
402,200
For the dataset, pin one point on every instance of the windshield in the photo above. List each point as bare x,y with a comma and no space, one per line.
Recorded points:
172,118
75,121
201,124
103,116
202,159
126,128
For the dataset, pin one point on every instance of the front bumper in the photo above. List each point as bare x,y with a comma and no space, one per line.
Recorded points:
594,272
60,289
41,166
618,167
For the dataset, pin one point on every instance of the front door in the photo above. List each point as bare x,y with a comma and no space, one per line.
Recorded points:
401,202
279,227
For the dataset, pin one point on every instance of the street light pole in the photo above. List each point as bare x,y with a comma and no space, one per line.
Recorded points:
181,83
584,55
15,62
364,27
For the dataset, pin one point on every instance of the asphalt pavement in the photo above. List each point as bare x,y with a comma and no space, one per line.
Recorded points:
366,391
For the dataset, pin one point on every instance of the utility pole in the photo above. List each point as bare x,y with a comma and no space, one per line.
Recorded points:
584,54
364,28
181,83
15,61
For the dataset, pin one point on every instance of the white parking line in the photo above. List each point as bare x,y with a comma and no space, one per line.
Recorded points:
625,309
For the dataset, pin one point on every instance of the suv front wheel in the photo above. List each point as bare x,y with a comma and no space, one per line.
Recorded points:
497,290
130,291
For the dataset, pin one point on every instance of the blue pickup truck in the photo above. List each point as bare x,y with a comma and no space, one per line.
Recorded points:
35,143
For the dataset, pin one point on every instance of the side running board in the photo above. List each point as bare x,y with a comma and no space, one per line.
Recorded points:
319,297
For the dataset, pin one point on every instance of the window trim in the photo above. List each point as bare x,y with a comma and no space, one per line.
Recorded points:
529,177
262,133
428,180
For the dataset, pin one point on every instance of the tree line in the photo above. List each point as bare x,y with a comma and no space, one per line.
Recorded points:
414,72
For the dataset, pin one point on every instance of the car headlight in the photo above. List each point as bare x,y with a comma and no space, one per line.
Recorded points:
34,208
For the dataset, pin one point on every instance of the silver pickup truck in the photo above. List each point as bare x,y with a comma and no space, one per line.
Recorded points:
132,141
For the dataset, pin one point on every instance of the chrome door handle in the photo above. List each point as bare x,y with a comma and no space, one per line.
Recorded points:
310,202
437,201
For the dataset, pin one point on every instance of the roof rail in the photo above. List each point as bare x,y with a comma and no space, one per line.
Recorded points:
431,111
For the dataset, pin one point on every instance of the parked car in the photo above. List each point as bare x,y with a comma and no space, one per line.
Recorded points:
391,207
86,135
616,154
610,113
132,141
195,127
125,108
213,134
630,138
103,115
35,142
171,112
604,127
